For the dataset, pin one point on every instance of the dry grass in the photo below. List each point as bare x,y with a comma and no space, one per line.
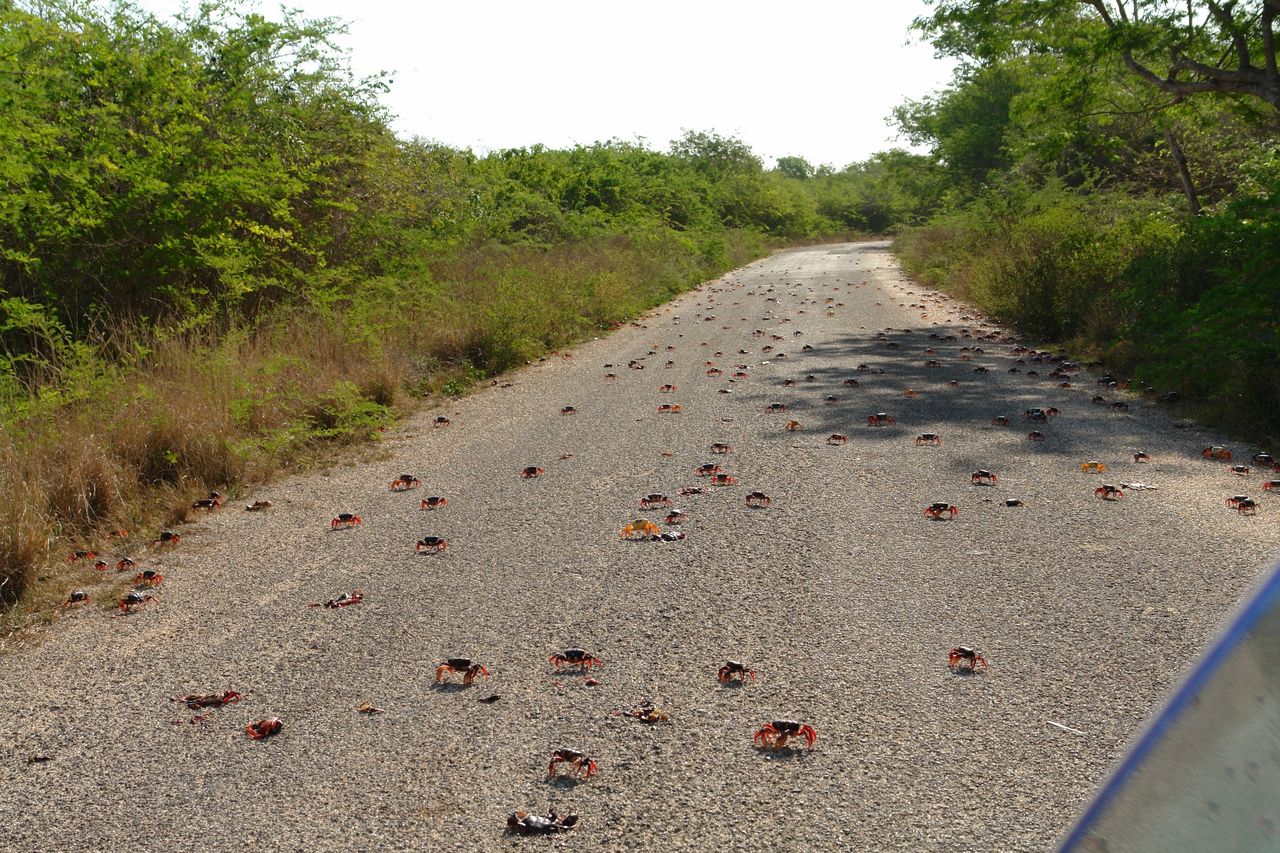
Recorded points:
129,444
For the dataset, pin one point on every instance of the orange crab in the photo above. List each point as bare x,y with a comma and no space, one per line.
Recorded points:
1108,492
580,762
405,482
963,658
670,409
723,480
469,669
1093,466
166,537
641,526
983,477
148,577
735,671
1217,451
433,502
939,509
345,520
775,734
431,544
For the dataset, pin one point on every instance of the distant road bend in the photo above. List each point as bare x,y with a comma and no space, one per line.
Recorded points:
840,594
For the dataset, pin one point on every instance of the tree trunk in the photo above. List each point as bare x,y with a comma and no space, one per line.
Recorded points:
1184,174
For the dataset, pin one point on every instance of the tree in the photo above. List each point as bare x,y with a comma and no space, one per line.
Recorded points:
795,167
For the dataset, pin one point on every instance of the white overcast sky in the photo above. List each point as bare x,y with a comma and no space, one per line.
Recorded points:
814,79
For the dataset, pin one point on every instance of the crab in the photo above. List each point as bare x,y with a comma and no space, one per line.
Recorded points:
77,556
264,728
963,658
939,509
693,490
124,564
148,577
642,526
837,438
580,658
735,671
1036,415
1035,435
1248,506
714,372
758,500
1271,485
653,499
676,516
1014,502
469,669
667,389
405,482
774,735
431,544
568,410
910,393
441,421
210,503
1142,456
610,377
670,409
1242,470
258,506
776,407
721,448
581,763
928,438
1216,451
983,477
530,472
933,362
1119,406
134,599
792,426
880,419
523,823
77,597
344,520
1092,466
1000,420
706,469
723,480
645,712
1108,492
433,502
850,383
1263,460
1234,501
345,600
166,537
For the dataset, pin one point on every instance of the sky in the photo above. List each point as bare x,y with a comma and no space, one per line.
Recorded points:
803,78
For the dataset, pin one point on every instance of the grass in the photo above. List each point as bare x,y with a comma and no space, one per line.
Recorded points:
100,440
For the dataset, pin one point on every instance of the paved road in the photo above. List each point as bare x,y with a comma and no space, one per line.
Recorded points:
841,595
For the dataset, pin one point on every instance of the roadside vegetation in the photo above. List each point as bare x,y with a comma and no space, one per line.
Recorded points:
1108,179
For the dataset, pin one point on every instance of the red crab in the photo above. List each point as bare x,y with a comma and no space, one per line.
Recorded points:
78,596
1142,456
405,481
774,735
524,823
1248,506
1271,485
676,516
667,389
101,565
569,410
1035,435
530,472
469,669
850,383
134,599
77,556
345,600
928,438
264,728
431,544
983,477
1234,501
715,371
1242,470
124,564
1217,451
721,447
580,658
881,419
964,658
1000,420
792,426
837,438
433,502
776,407
654,499
166,537
580,762
212,502
759,500
670,409
441,421
723,480
149,577
693,490
1108,492
939,509
345,520
706,469
735,671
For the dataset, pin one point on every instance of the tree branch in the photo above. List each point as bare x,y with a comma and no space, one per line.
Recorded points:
1222,14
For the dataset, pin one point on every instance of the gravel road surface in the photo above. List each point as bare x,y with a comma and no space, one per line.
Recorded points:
841,595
